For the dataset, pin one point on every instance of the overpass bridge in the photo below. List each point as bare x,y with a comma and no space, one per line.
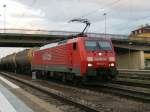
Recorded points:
31,38
127,50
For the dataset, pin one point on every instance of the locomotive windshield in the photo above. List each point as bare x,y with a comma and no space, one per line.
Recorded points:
98,45
104,45
91,45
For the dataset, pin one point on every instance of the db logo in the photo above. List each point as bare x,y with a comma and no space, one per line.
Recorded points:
47,56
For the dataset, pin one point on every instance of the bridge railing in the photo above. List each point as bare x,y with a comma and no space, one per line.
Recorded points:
59,33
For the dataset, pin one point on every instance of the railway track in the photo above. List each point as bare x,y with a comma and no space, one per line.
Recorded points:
136,93
134,71
133,82
135,74
56,94
134,77
141,94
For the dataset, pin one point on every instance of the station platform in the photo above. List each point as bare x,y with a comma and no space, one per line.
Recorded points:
15,99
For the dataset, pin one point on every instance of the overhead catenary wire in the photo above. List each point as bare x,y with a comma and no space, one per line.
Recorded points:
108,5
134,21
131,14
130,24
103,8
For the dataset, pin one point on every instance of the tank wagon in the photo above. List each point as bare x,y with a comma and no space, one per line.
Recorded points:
23,61
8,62
18,62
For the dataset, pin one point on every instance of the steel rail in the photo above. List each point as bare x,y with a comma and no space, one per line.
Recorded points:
134,71
132,83
85,105
134,77
126,91
116,89
135,74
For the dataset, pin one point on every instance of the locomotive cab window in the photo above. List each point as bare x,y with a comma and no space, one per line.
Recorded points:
91,45
98,45
105,45
74,46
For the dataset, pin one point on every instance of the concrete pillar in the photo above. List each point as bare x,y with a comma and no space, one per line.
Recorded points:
142,60
130,60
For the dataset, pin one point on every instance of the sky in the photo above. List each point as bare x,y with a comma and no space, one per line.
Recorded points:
122,16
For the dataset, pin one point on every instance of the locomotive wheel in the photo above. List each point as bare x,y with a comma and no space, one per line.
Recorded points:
64,78
76,81
107,78
84,80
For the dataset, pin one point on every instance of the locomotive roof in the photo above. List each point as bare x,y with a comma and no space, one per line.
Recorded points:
49,46
97,38
75,39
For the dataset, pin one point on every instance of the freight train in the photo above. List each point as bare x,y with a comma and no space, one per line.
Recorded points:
78,58
81,58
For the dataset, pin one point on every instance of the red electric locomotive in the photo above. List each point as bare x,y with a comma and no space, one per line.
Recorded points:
80,57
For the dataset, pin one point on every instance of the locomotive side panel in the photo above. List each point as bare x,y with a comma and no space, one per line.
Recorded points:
51,59
78,57
74,58
65,57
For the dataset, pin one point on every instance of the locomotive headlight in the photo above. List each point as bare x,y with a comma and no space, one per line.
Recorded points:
112,64
99,54
111,59
90,65
89,58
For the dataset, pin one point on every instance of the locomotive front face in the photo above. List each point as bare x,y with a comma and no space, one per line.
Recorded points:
100,56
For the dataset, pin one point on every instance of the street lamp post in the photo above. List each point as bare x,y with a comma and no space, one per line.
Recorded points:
4,6
105,14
